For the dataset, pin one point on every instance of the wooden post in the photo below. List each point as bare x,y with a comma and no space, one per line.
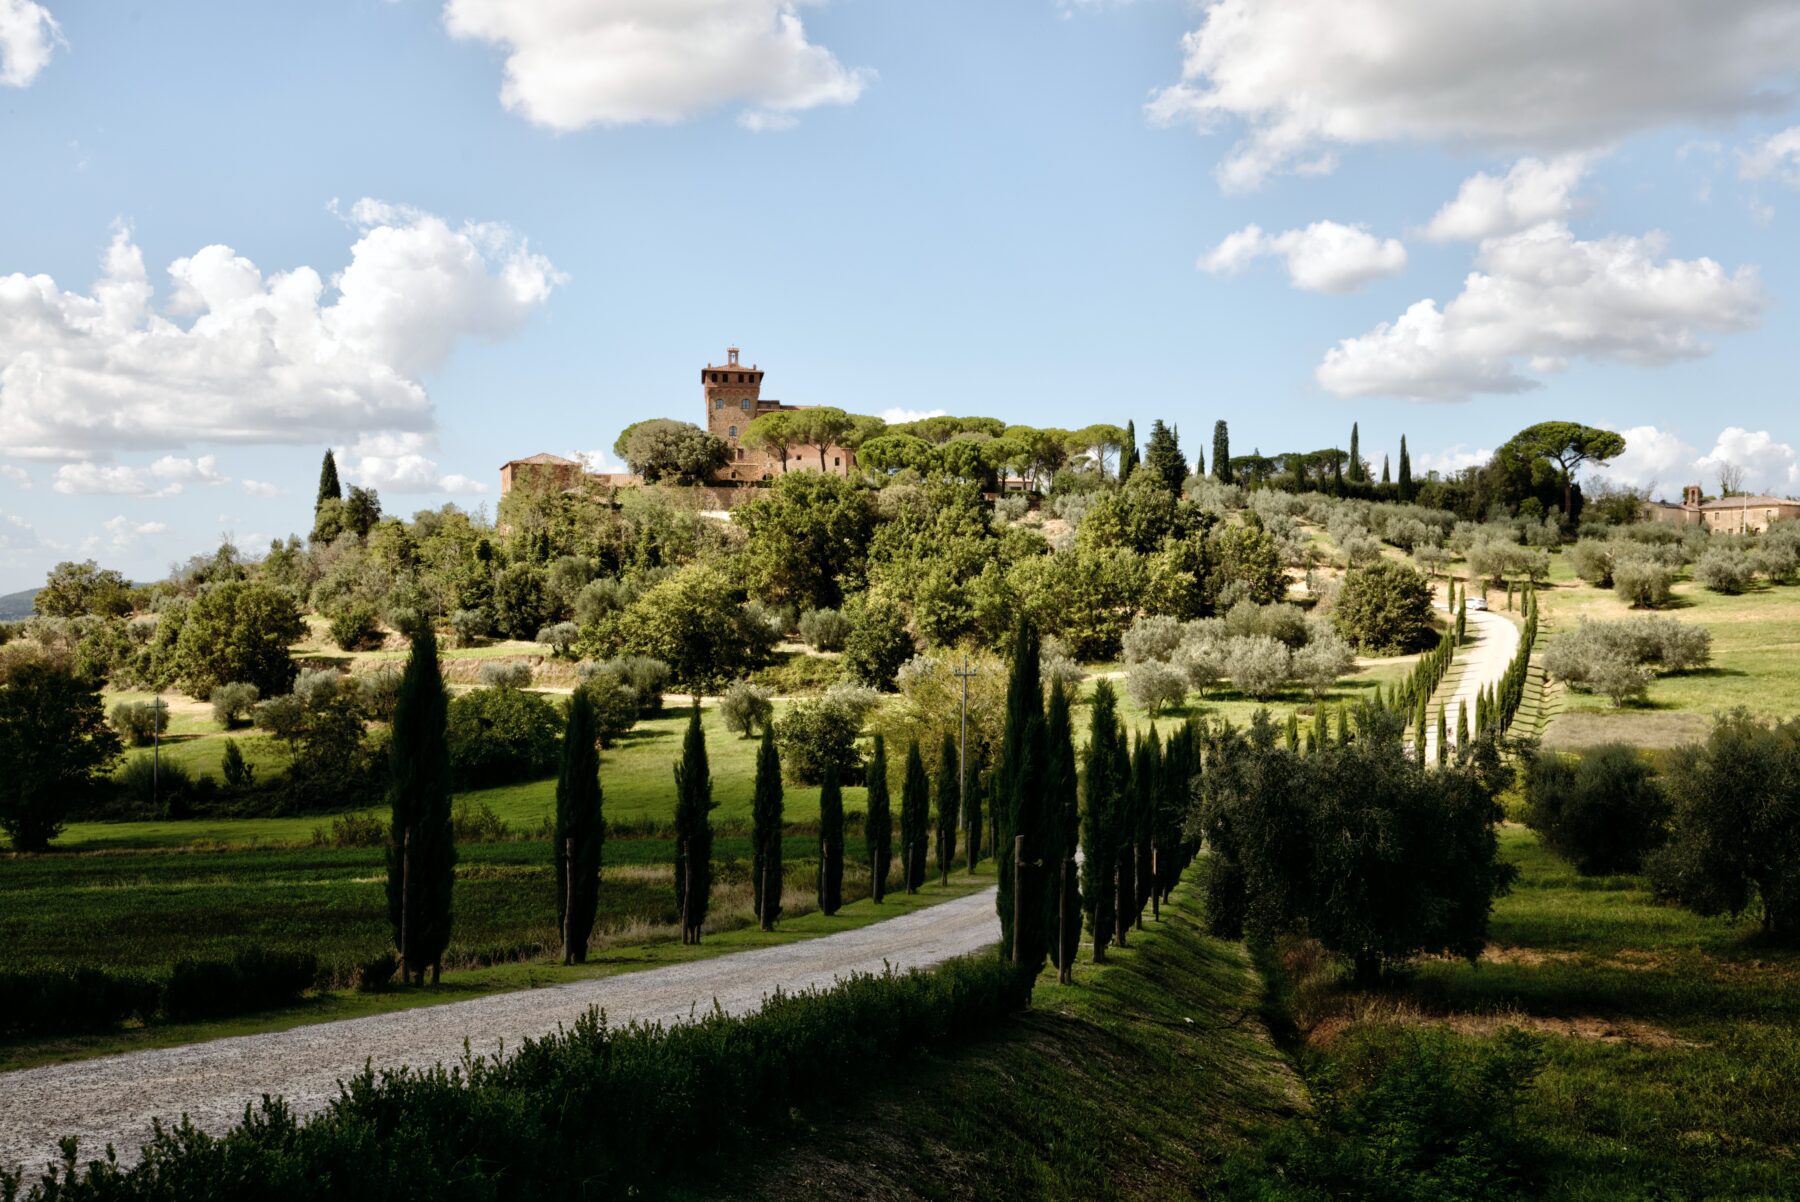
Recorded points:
1018,954
767,915
568,900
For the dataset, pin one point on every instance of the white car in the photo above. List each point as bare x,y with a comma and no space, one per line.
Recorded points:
1477,602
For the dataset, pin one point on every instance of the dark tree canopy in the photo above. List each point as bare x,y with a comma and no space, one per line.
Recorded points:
1221,451
766,832
421,858
1385,608
1163,457
878,821
1568,445
54,745
73,590
238,632
693,830
662,449
580,829
805,537
329,487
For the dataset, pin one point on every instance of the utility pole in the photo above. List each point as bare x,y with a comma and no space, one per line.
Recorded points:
156,753
965,674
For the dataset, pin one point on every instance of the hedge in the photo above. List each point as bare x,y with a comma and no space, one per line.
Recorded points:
591,1111
57,1001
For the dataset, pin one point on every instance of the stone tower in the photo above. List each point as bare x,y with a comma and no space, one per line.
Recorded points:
733,396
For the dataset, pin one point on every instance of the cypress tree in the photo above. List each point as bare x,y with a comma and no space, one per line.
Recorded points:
915,818
1343,726
1337,475
1293,731
949,808
1462,725
1386,478
1356,469
970,781
1171,812
831,842
1124,906
1022,766
1150,787
1321,727
1419,730
329,488
1406,487
1099,834
878,825
1221,456
421,854
765,832
693,830
1163,457
1062,831
1128,454
1443,738
1199,461
580,829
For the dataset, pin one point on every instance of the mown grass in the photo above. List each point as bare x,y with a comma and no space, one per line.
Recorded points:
1131,1083
1671,1041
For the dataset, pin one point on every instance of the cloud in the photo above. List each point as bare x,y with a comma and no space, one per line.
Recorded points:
123,531
397,463
1775,157
262,488
1538,299
1652,457
28,36
1303,78
576,63
16,537
599,461
204,470
1323,257
102,480
1767,463
1454,459
17,475
1534,191
897,416
281,358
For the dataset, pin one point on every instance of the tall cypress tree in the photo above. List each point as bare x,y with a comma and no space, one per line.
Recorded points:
421,854
693,830
949,807
1128,454
831,842
1099,833
1199,461
1163,457
765,832
1062,832
1356,467
970,781
1149,792
1021,776
1125,856
1221,456
915,817
1406,485
329,488
1385,477
878,825
580,829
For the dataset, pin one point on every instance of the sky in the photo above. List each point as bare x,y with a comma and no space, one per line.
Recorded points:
439,235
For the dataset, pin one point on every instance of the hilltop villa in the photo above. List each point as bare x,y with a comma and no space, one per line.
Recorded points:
732,394
1724,515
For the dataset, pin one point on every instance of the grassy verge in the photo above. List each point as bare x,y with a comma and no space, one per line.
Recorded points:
1668,1044
637,949
1132,1083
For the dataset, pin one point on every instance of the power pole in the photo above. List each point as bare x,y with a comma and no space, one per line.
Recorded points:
965,674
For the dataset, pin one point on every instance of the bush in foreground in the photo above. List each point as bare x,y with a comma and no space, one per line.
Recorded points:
1603,812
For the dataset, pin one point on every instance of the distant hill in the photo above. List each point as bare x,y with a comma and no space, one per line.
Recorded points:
14,606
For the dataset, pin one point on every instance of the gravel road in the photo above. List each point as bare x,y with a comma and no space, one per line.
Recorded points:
114,1099
1493,640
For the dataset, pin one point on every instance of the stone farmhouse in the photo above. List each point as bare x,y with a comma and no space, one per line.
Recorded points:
732,394
1724,515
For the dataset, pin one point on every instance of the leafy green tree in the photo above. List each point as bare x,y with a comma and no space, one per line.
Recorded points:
693,830
503,736
1163,457
774,433
878,642
73,590
238,631
55,745
1385,608
1249,557
1734,840
878,822
949,806
580,830
1103,784
1023,763
695,622
362,510
915,818
662,449
822,427
805,536
765,836
746,706
1221,456
831,843
1603,812
1567,445
421,855
520,602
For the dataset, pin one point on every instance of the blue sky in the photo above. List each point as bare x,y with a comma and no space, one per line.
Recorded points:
484,229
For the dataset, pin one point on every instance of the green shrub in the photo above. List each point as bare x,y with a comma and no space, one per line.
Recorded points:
506,674
139,722
878,643
1643,583
1603,812
54,1001
150,783
824,629
1385,608
237,773
353,625
252,980
799,673
815,734
591,1111
478,824
351,830
745,707
501,736
234,704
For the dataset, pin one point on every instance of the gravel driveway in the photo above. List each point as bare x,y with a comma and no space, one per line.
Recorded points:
114,1099
1493,641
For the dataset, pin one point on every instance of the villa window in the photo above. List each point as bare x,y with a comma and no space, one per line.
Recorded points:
745,403
734,431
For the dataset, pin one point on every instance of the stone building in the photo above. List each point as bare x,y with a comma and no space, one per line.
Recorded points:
1724,515
732,394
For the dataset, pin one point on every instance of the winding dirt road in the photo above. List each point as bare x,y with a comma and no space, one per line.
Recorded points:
113,1099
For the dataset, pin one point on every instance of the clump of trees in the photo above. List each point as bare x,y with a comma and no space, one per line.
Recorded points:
1603,811
55,744
1620,658
1385,608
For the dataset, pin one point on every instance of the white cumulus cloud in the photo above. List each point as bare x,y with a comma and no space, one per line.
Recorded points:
1653,457
241,357
122,531
1533,191
576,63
1454,459
1767,463
28,37
17,475
261,488
204,470
899,417
1538,299
398,463
1323,257
1302,78
1775,157
106,480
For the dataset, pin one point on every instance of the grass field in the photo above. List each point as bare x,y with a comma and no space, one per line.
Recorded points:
1671,1042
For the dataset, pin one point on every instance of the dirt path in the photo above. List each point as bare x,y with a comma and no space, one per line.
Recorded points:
1492,642
114,1099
